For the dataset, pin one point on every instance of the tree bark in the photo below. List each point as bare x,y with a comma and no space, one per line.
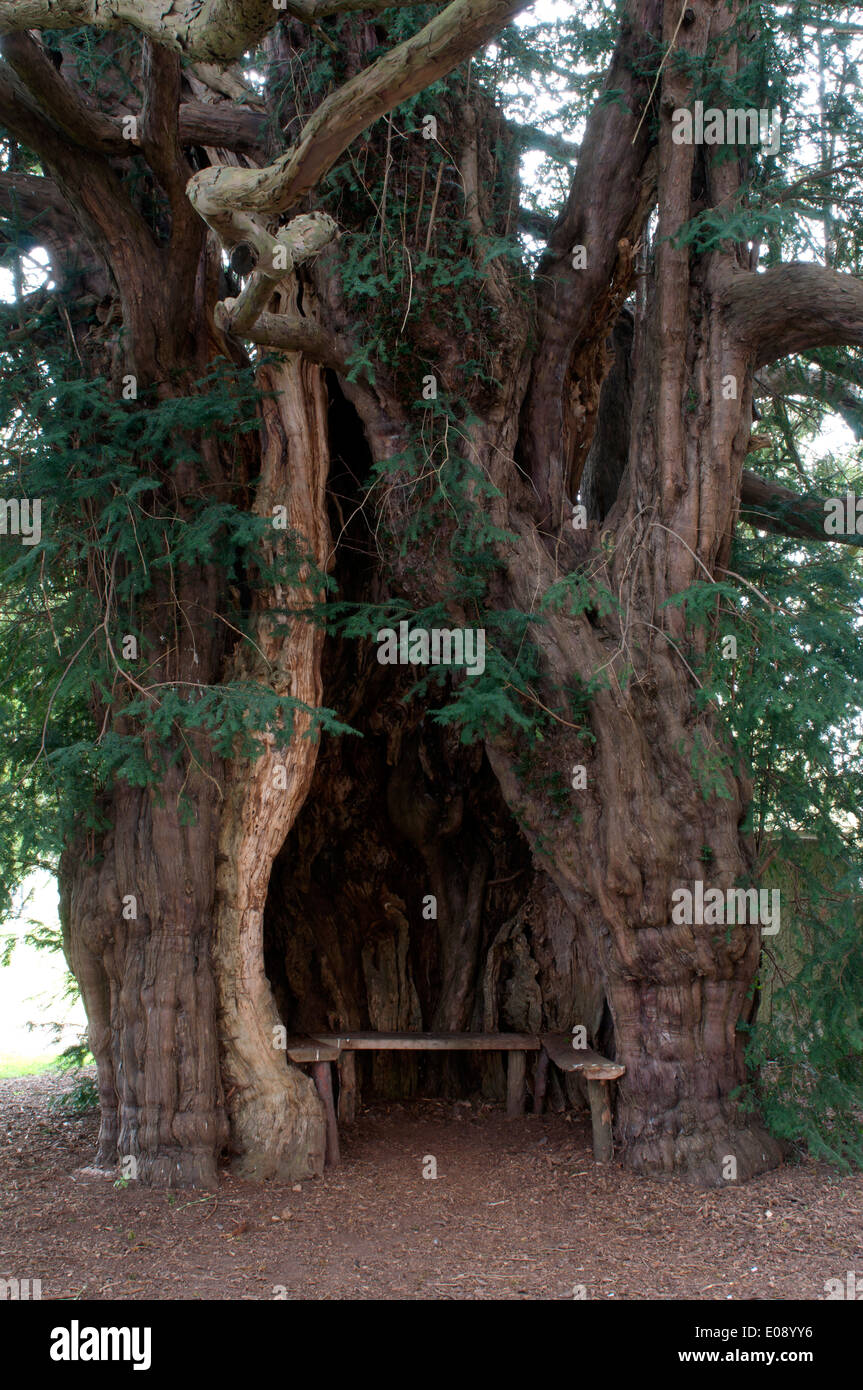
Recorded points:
277,1121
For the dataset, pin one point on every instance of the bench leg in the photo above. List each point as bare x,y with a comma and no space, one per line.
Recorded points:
347,1087
600,1119
516,1069
322,1073
540,1081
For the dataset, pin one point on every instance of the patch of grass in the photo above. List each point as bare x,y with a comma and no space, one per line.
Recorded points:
12,1064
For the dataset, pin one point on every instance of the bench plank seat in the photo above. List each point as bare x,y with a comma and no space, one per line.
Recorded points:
594,1067
430,1042
322,1050
311,1050
598,1072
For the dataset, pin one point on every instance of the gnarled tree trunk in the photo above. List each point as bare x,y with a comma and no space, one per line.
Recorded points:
277,1120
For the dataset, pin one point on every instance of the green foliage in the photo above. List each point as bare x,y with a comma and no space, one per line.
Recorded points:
737,223
808,1041
125,517
76,1056
798,719
81,1098
788,710
578,593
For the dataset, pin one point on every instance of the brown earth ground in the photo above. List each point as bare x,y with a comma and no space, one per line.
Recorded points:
518,1210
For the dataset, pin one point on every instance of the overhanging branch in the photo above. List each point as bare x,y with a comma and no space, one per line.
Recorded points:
236,202
221,125
771,507
289,333
530,137
86,183
59,101
827,388
794,307
462,28
214,31
36,199
578,298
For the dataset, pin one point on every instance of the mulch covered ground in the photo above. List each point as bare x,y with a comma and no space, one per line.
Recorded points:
518,1210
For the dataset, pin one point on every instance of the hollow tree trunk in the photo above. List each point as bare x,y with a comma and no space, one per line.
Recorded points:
642,826
676,994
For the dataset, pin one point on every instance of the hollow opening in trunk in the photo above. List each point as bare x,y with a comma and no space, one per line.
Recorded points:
405,897
381,920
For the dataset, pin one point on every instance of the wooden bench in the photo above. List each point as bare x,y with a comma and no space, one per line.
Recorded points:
597,1072
322,1050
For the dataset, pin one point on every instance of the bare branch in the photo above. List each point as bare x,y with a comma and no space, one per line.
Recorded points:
794,307
109,221
832,26
87,183
223,126
160,143
530,137
303,238
214,31
311,10
578,303
462,28
36,213
220,125
288,332
38,199
58,100
228,82
536,224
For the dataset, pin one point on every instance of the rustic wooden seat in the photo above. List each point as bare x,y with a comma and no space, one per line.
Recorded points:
322,1050
597,1071
311,1050
321,1055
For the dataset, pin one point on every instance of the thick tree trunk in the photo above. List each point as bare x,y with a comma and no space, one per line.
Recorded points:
683,1052
652,818
147,981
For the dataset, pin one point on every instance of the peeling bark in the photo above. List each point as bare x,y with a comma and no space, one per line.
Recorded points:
216,31
277,1119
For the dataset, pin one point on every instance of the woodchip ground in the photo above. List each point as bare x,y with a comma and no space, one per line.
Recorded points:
518,1211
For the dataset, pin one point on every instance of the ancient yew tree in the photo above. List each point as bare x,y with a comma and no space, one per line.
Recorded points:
307,361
